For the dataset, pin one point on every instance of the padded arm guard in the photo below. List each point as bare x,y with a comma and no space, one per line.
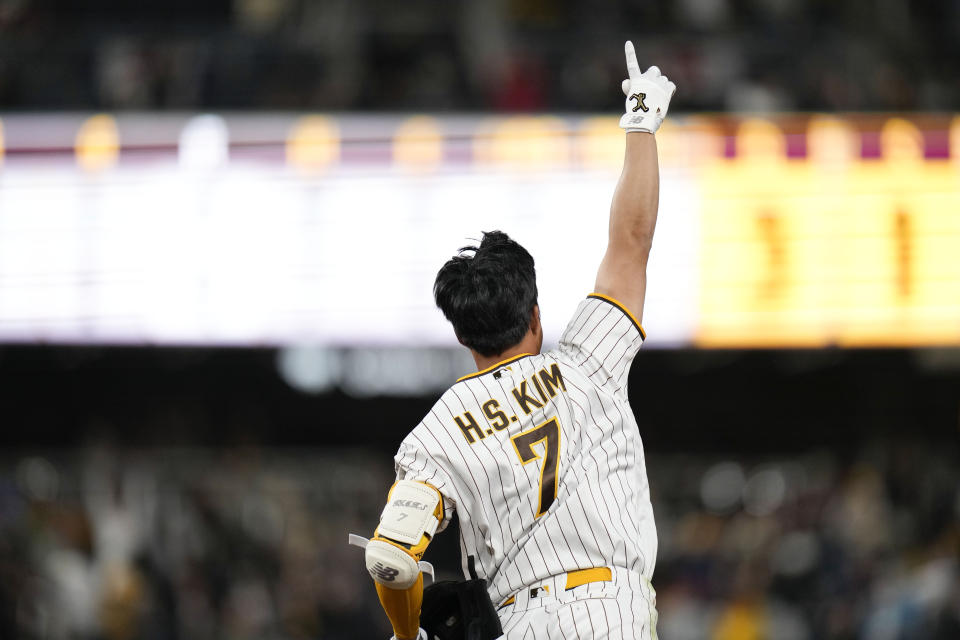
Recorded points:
407,524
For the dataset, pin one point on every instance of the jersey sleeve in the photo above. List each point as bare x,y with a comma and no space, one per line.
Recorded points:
602,339
413,462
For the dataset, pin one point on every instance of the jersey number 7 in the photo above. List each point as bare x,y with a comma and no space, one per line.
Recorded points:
549,433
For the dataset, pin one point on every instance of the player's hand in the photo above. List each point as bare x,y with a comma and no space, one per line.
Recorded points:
422,635
648,95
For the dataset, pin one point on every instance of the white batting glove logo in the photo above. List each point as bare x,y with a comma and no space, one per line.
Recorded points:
648,95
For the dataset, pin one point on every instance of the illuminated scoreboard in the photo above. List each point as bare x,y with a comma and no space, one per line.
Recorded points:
831,248
794,231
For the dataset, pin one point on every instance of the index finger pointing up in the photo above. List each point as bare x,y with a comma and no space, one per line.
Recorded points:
633,69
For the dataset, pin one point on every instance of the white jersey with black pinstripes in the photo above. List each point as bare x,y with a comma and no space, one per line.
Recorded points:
541,457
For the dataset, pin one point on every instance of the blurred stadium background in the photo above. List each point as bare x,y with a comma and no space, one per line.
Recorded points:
219,225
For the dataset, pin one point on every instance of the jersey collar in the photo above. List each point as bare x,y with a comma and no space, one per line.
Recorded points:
494,366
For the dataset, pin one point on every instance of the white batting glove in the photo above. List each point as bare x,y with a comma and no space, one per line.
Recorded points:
422,636
648,95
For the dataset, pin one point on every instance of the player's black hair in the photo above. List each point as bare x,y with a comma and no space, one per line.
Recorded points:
488,293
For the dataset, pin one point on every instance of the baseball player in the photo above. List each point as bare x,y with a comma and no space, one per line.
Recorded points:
539,453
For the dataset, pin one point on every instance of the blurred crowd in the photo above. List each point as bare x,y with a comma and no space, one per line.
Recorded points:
502,55
819,546
101,544
176,544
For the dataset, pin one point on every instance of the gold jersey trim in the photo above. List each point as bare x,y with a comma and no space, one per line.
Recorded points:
619,305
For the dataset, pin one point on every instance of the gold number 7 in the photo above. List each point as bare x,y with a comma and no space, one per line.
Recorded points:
523,443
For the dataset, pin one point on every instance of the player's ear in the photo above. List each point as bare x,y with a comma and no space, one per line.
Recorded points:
535,319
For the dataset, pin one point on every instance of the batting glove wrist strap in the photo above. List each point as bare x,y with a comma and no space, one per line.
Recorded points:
648,95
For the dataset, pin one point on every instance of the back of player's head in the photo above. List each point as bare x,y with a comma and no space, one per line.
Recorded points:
488,293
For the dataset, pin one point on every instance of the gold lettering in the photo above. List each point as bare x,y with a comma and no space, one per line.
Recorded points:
468,426
552,380
536,383
524,399
498,419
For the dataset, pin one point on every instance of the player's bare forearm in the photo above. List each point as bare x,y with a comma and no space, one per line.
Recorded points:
633,214
633,217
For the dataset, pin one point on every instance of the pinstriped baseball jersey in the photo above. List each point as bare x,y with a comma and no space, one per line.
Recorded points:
541,457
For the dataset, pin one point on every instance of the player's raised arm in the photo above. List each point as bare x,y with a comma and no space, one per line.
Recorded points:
633,214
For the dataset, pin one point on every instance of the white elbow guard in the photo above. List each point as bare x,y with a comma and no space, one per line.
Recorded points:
390,565
407,525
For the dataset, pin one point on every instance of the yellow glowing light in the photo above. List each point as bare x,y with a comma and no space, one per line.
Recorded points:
701,141
601,143
760,140
759,263
313,143
418,143
911,203
524,142
97,143
831,251
901,141
955,140
670,141
831,142
753,289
